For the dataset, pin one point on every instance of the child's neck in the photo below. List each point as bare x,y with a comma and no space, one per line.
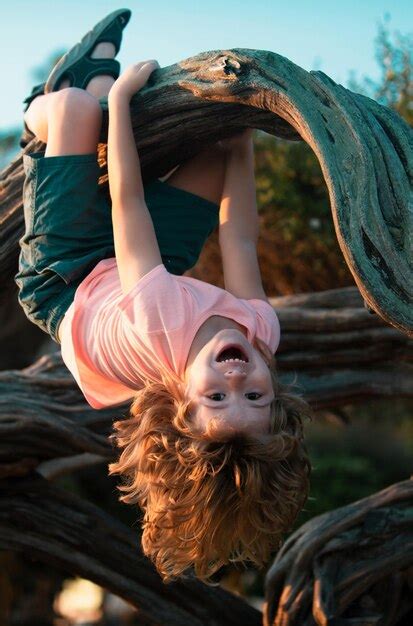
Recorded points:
207,330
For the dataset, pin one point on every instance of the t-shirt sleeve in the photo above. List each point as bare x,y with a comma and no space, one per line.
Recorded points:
155,304
268,325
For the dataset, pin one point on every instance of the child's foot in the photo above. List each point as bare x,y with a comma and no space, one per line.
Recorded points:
92,57
89,65
98,86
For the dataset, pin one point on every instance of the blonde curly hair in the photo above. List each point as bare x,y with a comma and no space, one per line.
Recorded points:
210,499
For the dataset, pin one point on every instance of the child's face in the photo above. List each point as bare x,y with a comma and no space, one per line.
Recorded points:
237,391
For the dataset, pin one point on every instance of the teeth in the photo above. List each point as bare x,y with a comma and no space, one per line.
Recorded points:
232,360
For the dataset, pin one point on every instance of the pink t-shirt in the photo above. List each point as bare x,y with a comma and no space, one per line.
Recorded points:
112,342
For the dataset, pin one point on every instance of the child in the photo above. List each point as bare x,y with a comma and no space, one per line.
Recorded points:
213,450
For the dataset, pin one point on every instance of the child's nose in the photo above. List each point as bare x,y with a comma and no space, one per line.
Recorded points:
235,374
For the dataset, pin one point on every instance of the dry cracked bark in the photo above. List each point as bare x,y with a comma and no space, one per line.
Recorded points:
365,151
350,566
57,527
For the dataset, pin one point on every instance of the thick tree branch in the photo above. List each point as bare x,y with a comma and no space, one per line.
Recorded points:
364,150
59,528
340,352
348,566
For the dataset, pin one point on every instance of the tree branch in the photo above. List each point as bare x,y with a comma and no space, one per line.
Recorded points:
347,559
57,527
365,151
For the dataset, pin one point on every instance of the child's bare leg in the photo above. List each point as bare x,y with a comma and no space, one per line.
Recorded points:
203,174
69,120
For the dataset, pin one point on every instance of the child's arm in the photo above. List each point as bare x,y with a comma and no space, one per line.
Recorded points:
136,247
238,229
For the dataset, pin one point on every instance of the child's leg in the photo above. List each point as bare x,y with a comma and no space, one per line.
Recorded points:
185,207
202,175
67,218
68,121
99,86
68,228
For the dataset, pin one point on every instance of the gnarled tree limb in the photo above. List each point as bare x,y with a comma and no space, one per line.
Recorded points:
340,352
365,151
348,566
57,527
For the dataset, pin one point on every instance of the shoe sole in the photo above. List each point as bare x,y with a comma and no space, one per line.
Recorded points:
85,45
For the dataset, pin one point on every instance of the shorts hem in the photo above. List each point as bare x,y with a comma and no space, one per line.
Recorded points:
57,315
38,160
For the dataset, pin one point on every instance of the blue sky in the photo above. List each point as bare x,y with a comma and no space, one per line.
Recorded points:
335,37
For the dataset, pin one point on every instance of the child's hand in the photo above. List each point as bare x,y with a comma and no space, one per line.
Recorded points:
133,78
239,140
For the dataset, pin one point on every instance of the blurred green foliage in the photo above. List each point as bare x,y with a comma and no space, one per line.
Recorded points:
353,461
298,249
395,60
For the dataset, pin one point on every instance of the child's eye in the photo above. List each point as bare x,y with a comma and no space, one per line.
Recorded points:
256,396
214,397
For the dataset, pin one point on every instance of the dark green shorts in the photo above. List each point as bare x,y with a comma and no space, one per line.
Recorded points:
69,230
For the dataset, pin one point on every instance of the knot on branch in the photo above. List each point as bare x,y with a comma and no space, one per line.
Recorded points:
227,65
216,74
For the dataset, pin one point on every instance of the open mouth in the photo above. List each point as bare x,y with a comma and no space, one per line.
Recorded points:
232,353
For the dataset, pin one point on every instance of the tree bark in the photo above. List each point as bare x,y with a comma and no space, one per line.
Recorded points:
349,566
365,151
59,528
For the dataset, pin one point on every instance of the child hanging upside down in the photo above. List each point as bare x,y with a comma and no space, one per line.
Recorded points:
213,448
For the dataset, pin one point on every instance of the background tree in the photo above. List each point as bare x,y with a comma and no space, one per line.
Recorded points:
395,60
